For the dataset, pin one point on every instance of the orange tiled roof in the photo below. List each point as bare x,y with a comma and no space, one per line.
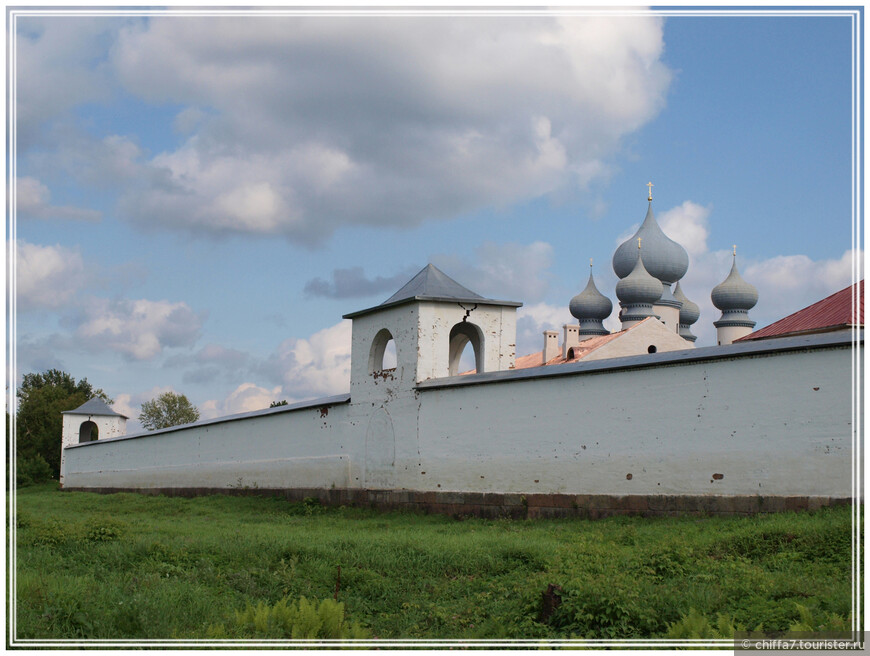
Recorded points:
831,313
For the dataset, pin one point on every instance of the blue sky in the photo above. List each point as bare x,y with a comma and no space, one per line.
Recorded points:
199,200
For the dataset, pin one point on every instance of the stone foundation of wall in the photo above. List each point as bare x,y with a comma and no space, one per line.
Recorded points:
516,506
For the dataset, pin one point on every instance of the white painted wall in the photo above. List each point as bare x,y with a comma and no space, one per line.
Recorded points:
771,424
309,447
758,421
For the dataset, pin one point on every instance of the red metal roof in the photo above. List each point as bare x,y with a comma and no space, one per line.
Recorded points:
840,310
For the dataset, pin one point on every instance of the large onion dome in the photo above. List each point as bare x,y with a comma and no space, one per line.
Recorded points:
638,288
734,293
689,314
664,258
590,307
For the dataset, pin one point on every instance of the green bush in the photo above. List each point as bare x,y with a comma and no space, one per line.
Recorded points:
607,607
302,620
103,531
32,470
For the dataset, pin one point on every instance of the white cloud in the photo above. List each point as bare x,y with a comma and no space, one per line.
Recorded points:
247,397
478,112
188,119
60,64
33,200
688,225
106,163
506,271
47,276
533,320
317,366
138,329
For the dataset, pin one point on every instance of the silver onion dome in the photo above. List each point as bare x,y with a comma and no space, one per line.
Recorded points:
639,287
734,293
689,311
664,258
590,303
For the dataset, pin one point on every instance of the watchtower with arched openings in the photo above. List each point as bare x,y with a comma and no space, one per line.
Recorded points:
94,420
430,321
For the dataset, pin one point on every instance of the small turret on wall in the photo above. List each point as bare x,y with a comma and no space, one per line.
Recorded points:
89,422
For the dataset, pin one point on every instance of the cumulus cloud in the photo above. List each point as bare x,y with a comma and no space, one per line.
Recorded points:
47,277
211,362
102,163
137,329
301,125
33,201
60,64
533,320
317,366
353,283
505,271
247,397
688,225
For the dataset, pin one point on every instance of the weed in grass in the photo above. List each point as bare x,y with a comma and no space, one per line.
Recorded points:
301,620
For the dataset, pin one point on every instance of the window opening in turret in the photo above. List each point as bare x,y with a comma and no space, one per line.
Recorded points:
383,353
88,432
462,336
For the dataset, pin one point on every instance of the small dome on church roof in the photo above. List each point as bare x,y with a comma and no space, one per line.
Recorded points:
664,258
639,286
734,293
590,303
689,311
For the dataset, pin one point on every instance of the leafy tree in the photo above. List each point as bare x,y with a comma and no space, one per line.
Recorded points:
42,397
278,404
168,409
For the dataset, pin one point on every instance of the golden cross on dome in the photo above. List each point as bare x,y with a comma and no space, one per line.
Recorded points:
735,250
638,243
590,262
650,185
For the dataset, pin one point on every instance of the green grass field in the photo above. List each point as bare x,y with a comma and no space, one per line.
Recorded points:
137,567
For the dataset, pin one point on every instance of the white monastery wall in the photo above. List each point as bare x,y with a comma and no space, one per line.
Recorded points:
307,447
760,422
771,425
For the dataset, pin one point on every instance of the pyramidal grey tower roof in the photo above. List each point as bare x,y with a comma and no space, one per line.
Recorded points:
95,407
432,284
